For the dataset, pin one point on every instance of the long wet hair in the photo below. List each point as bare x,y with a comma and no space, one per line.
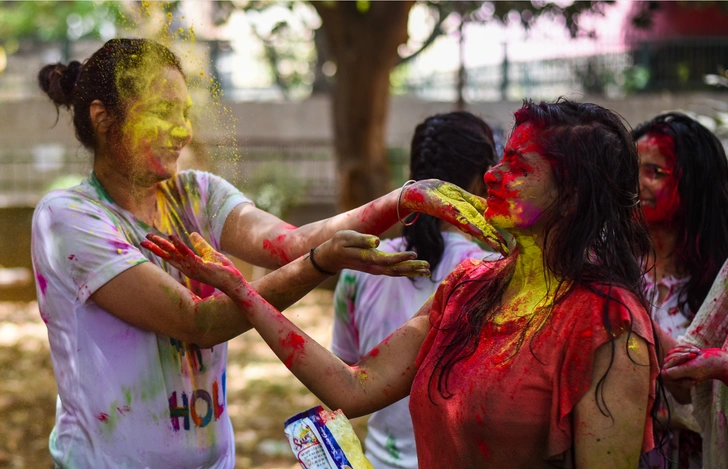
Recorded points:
702,220
456,147
594,235
113,74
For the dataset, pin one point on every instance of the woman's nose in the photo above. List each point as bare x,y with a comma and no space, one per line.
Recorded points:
182,131
492,176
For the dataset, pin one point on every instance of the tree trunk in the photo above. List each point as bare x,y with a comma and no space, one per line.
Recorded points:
364,45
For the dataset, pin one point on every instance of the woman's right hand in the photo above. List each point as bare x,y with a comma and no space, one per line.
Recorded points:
211,268
356,251
454,205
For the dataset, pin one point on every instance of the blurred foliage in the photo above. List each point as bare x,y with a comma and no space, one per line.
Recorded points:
274,190
300,62
57,20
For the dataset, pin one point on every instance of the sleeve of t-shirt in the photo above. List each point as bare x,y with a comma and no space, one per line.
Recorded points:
573,378
440,302
216,195
81,243
345,337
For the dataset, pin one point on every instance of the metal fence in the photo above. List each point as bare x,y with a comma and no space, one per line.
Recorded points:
676,64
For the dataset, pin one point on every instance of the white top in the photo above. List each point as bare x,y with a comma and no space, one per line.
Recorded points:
667,314
128,398
709,329
368,309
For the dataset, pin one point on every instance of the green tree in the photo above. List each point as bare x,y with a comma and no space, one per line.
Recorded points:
363,39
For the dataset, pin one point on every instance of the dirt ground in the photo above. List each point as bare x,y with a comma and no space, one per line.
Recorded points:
262,393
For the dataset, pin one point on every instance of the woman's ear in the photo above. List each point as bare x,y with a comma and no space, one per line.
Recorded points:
100,118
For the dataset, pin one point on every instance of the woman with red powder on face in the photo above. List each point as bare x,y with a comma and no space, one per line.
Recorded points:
139,349
683,195
683,192
543,359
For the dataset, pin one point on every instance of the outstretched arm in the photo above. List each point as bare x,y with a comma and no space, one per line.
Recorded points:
262,239
382,377
147,297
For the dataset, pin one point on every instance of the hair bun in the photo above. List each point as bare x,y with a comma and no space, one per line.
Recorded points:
58,82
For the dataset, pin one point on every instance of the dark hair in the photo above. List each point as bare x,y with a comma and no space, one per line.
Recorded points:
109,75
594,233
702,220
456,147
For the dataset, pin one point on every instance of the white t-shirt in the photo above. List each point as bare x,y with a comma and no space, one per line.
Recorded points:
127,397
368,309
668,314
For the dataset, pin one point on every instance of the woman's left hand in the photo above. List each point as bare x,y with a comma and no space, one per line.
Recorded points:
687,362
211,268
454,205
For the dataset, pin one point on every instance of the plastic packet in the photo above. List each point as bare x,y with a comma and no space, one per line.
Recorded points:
325,440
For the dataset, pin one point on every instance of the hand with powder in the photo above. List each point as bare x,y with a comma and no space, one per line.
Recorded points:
454,205
345,250
210,267
689,363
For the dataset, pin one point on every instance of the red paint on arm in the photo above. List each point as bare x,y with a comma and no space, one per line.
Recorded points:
295,344
276,248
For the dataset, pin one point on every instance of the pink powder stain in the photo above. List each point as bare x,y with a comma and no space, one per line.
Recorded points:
71,257
296,344
42,283
275,248
124,409
103,417
43,316
119,245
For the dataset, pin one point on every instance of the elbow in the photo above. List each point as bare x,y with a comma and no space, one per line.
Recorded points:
197,327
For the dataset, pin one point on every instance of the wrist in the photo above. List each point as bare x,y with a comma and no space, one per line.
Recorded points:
318,259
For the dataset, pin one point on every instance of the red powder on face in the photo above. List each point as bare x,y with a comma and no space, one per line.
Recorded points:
500,194
667,198
275,248
295,343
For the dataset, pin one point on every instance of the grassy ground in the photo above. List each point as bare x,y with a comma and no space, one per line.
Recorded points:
262,394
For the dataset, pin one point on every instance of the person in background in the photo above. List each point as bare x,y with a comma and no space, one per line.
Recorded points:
456,147
700,362
683,182
139,349
543,359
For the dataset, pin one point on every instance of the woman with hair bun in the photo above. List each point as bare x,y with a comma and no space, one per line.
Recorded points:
456,147
138,348
543,359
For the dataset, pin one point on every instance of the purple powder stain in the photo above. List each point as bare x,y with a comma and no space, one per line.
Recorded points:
42,283
43,316
119,245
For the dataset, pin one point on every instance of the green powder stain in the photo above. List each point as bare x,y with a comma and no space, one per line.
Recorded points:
391,447
127,394
346,291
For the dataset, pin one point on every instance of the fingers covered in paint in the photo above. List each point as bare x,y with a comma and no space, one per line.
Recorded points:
690,363
355,251
454,205
213,268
